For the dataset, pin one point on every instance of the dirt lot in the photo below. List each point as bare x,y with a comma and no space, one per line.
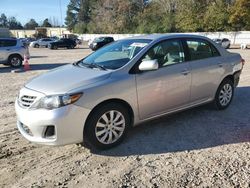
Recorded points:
196,148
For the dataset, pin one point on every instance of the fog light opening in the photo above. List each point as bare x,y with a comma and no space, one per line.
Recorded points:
49,132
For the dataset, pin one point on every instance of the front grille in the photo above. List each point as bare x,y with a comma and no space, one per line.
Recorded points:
26,101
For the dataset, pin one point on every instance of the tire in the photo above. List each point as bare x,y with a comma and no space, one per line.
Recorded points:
101,132
54,47
15,61
36,46
224,94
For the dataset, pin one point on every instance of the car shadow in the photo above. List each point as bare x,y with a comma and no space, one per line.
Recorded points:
33,67
38,56
194,129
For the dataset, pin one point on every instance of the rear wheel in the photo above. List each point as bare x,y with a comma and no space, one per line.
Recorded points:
224,94
15,61
36,45
107,126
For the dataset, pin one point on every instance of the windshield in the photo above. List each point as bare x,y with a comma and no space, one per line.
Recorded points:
115,55
100,39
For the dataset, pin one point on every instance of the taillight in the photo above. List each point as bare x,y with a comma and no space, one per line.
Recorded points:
242,61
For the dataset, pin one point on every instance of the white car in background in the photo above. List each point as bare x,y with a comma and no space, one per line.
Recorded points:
225,43
44,42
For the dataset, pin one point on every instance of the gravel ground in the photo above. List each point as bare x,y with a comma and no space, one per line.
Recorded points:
200,147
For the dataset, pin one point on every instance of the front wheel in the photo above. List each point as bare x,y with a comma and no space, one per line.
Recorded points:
107,125
224,94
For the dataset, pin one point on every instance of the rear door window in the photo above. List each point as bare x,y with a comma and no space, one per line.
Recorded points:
201,49
8,43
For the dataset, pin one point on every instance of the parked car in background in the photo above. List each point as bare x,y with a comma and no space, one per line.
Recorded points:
44,42
27,41
225,43
12,52
124,84
62,43
100,42
89,42
78,41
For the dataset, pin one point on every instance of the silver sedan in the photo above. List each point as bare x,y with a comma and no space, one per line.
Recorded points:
124,84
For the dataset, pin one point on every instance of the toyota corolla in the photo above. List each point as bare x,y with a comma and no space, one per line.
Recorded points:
124,84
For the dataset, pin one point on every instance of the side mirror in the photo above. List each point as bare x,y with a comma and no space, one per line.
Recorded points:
148,65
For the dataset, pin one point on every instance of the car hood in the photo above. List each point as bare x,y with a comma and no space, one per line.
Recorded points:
66,78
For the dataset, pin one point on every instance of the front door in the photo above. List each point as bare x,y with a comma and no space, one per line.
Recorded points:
168,87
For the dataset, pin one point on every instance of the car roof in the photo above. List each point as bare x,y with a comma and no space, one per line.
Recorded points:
8,39
167,36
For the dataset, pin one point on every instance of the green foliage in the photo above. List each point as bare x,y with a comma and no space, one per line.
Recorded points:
157,16
80,27
190,15
32,24
46,23
3,21
216,17
14,24
240,15
79,14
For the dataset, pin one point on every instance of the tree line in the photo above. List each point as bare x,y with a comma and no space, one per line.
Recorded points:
157,16
13,23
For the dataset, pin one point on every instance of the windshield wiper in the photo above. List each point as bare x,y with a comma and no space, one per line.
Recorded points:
94,65
89,65
81,64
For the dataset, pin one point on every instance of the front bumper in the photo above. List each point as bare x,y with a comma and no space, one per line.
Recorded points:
68,123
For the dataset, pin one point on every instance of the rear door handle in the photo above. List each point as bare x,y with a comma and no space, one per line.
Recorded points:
185,72
8,49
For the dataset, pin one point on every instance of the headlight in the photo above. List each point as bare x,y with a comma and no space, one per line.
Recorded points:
56,101
94,43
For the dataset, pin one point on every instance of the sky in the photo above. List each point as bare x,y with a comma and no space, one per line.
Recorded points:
24,10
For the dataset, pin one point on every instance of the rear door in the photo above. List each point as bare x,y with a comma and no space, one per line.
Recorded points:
6,48
63,43
2,51
167,88
42,42
206,65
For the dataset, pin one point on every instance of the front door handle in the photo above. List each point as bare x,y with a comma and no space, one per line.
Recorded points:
185,72
220,64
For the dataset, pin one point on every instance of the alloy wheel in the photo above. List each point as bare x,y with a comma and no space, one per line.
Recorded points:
225,95
110,127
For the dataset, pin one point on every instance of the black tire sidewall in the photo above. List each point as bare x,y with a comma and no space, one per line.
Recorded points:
15,56
217,100
94,117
